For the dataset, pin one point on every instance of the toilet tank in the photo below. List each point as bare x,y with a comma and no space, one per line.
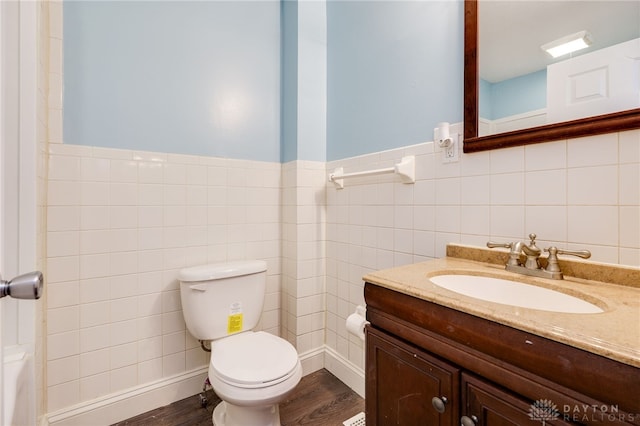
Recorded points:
223,298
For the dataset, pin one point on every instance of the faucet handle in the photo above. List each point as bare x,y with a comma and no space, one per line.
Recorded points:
553,266
585,254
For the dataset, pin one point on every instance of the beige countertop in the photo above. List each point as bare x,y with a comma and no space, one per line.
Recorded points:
614,333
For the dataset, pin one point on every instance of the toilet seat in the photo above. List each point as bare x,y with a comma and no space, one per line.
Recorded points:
253,359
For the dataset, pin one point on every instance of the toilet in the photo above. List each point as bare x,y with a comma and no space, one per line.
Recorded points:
250,371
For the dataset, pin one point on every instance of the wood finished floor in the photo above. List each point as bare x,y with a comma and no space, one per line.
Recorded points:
319,399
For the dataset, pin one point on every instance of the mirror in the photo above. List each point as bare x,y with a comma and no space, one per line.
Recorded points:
603,123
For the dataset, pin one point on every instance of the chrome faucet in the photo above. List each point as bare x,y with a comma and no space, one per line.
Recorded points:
531,266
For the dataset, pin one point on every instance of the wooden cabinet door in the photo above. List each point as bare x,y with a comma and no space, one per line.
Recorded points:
489,405
402,381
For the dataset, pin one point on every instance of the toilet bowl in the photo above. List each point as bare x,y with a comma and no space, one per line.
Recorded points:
250,371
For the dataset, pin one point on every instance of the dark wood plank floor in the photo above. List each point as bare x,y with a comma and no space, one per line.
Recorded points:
319,399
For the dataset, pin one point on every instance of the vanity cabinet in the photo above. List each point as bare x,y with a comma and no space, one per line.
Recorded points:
495,406
403,380
422,358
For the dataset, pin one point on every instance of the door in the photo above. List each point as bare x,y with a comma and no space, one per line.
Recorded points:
595,83
406,386
18,88
484,404
3,104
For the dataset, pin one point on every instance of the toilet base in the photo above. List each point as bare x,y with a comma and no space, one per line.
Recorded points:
226,414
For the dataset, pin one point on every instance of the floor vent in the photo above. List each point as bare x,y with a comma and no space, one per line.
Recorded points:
357,420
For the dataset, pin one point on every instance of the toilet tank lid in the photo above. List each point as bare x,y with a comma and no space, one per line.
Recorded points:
216,271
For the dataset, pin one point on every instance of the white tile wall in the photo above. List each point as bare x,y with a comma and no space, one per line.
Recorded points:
120,226
303,254
581,193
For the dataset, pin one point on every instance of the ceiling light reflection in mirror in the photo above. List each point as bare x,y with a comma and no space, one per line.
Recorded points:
514,67
568,44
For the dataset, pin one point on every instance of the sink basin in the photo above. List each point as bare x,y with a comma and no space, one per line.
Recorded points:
514,293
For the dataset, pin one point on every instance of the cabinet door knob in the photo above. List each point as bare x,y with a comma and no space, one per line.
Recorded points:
468,421
439,403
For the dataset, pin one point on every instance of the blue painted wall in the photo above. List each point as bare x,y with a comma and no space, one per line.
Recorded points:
519,95
514,96
206,78
189,77
395,69
289,21
485,103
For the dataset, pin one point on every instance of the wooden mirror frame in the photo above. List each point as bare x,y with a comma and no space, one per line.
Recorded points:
599,124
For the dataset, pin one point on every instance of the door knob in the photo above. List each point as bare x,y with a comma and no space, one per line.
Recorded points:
26,286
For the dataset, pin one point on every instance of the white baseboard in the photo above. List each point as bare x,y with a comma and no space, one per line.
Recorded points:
326,357
348,373
312,360
131,402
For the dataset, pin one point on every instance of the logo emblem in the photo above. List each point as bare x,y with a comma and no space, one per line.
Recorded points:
543,410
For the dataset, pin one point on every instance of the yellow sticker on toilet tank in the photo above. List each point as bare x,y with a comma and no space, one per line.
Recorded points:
234,323
234,320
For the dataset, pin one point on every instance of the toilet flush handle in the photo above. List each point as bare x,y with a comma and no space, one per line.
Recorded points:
198,287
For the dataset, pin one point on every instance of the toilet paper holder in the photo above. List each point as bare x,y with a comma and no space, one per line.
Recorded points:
357,321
